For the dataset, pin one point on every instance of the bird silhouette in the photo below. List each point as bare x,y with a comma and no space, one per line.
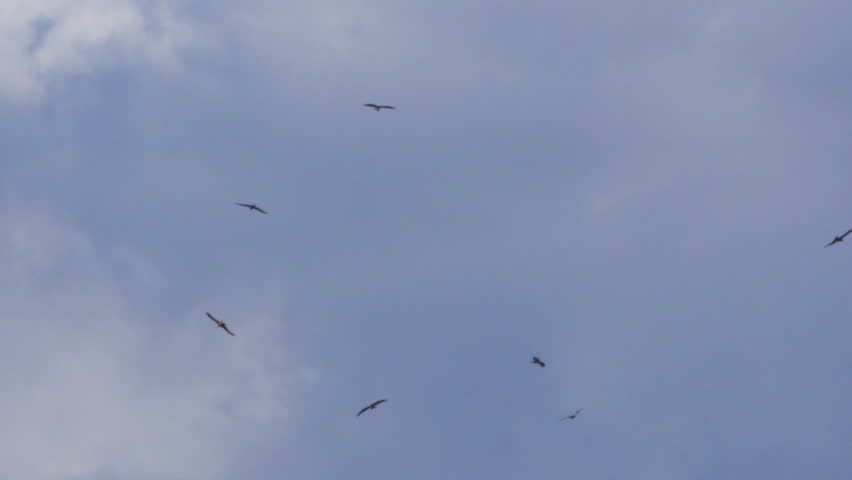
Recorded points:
371,406
840,238
572,416
538,362
251,207
220,324
379,108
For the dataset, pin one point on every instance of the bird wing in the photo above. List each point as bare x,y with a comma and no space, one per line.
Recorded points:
213,318
244,205
565,418
578,412
362,411
388,106
371,105
847,233
260,210
226,329
378,402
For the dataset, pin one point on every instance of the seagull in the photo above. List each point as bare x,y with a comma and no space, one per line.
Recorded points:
251,207
572,416
840,238
220,324
371,406
537,361
379,108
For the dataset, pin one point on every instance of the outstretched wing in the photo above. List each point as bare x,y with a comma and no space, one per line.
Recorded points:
379,402
243,205
847,233
213,318
260,210
362,411
224,327
371,105
391,107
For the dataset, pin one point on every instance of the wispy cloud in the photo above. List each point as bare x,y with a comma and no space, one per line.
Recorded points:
45,39
99,389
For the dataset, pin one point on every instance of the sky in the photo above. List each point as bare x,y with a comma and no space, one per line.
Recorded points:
637,194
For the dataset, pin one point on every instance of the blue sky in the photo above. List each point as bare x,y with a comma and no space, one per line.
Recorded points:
639,195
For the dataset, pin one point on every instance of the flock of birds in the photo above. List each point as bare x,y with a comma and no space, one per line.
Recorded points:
372,406
535,360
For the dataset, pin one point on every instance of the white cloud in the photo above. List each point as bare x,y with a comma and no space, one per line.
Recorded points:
92,388
46,38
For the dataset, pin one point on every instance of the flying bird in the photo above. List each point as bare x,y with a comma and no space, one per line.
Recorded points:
371,406
220,324
572,416
251,207
379,108
537,361
840,238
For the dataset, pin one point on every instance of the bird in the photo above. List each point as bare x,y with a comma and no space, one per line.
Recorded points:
220,324
379,108
252,207
371,406
537,361
572,416
840,238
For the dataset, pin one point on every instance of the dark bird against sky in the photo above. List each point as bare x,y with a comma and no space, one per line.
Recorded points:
379,108
572,416
840,238
251,207
538,362
220,324
371,406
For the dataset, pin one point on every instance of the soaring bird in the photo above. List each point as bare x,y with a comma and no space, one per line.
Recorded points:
840,238
538,362
371,406
251,207
379,108
572,416
220,324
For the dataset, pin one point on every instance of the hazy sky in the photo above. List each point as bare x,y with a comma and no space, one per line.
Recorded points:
636,192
